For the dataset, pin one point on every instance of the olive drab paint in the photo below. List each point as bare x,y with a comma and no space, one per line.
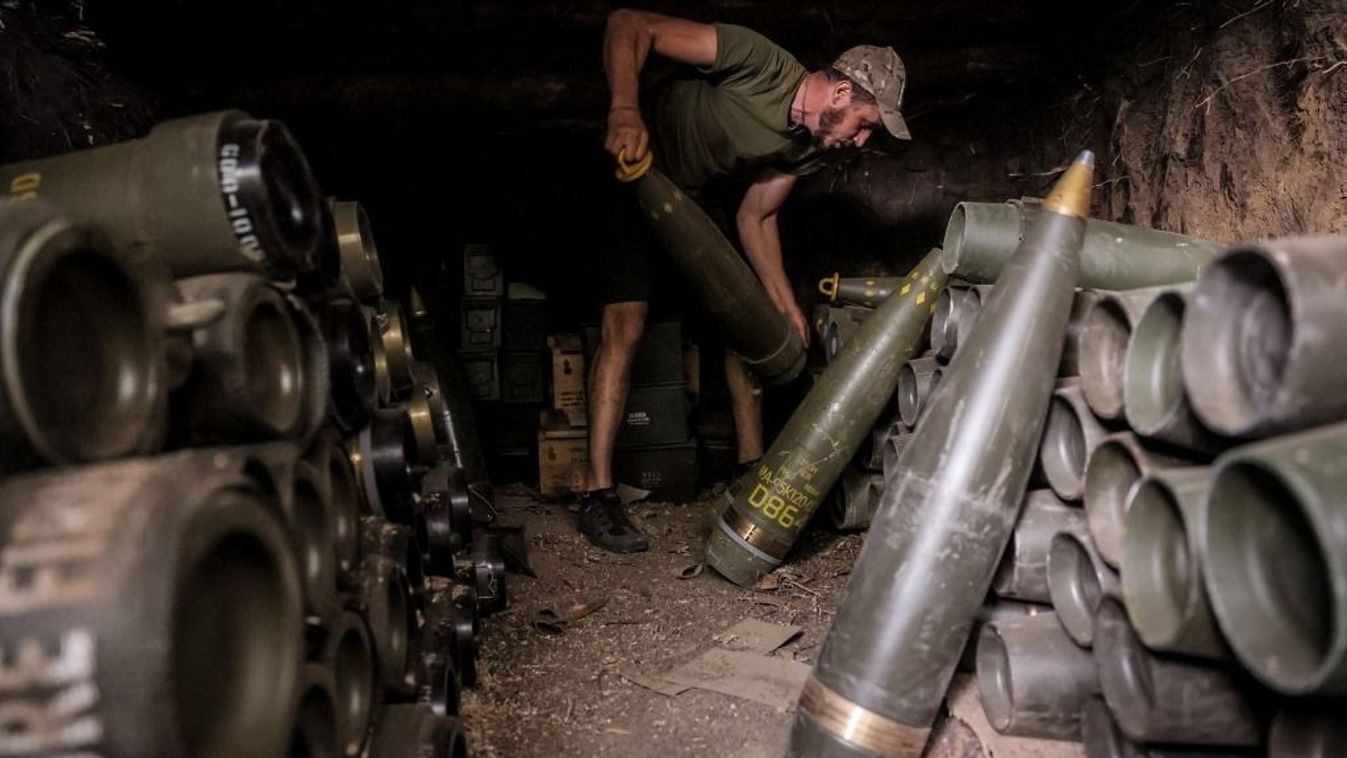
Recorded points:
770,504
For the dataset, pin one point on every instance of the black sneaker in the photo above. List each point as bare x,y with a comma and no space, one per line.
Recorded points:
743,468
605,523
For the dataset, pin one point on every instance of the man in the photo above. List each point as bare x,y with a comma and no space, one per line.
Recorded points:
747,111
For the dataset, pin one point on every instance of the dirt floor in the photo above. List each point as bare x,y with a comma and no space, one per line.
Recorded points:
568,694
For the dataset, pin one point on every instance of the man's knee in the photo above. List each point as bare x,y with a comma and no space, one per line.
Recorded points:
623,325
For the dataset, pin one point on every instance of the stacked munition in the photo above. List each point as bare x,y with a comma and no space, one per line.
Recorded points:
1210,591
723,283
770,505
945,519
192,291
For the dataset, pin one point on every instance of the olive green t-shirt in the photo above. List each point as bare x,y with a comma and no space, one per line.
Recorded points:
733,117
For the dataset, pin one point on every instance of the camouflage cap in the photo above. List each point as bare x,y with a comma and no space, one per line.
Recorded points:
880,72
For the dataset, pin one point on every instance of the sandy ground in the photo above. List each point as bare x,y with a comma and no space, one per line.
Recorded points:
565,695
554,695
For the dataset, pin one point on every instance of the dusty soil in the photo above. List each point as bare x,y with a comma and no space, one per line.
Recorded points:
553,695
565,695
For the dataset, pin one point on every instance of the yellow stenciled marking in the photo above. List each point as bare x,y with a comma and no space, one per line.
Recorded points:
921,298
906,289
24,186
772,506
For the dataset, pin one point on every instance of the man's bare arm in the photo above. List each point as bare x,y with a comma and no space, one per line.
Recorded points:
762,242
627,42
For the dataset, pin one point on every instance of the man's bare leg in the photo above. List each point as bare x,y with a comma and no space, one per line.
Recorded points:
746,404
609,377
602,519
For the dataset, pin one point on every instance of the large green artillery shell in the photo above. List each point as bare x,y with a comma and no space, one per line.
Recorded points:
1103,739
444,517
868,291
871,457
387,601
1034,680
1154,400
399,544
1162,565
916,383
894,442
1023,573
316,725
316,385
248,372
414,729
215,192
153,609
396,338
339,487
945,519
1275,543
421,419
981,237
440,688
1104,334
721,280
1260,337
381,456
81,344
1157,699
1309,730
1080,308
452,622
350,364
836,325
956,311
1114,467
994,609
770,504
1078,583
349,654
383,381
1069,437
427,383
855,498
310,517
362,275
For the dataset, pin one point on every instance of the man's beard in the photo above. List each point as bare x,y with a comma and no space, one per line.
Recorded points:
827,122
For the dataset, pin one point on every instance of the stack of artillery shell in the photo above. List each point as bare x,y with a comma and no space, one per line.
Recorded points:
219,600
945,520
770,505
1230,584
